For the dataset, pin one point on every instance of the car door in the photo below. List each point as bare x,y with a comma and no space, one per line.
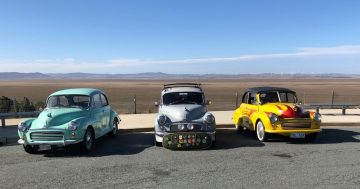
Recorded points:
107,123
244,110
98,114
252,107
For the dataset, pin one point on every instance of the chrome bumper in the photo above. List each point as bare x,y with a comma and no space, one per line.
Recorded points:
55,143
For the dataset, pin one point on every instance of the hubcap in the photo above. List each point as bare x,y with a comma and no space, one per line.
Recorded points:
114,128
88,141
260,130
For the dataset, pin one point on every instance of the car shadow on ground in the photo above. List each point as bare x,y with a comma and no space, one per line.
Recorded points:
230,138
333,136
123,144
134,143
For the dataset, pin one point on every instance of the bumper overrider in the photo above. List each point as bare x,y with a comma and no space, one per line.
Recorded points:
49,137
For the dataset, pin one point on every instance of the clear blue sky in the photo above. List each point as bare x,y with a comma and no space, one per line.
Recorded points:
187,36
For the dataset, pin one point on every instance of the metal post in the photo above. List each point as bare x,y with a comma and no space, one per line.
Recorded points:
332,98
343,110
237,100
135,104
304,98
317,109
3,122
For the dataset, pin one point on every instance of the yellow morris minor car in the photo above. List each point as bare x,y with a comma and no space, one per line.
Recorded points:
271,110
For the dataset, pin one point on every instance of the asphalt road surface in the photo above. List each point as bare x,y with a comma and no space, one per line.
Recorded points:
238,161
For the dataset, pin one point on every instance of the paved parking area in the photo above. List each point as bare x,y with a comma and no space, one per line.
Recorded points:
238,161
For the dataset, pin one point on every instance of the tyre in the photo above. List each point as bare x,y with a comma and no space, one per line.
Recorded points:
238,127
87,144
261,135
213,143
311,137
114,130
31,149
159,144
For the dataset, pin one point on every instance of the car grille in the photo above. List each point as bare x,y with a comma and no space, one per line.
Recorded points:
174,128
47,136
296,124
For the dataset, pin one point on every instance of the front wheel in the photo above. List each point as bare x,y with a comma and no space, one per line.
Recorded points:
31,149
159,144
87,144
260,132
239,127
311,137
114,130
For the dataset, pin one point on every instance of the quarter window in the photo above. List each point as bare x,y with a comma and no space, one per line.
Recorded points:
245,98
104,100
97,101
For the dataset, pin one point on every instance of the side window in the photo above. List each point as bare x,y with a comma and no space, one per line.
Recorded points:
97,101
252,98
104,101
245,98
63,101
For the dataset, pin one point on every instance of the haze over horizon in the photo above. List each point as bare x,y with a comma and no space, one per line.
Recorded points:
184,37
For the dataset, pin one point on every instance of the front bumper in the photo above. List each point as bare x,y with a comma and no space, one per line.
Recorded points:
53,137
186,140
52,143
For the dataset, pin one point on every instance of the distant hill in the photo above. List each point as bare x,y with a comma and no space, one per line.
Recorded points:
19,76
160,75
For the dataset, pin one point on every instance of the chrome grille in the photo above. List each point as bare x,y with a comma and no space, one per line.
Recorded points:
47,136
174,127
296,124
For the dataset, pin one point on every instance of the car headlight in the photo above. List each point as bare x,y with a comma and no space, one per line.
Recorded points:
190,126
317,117
273,118
73,125
162,120
181,127
209,119
22,127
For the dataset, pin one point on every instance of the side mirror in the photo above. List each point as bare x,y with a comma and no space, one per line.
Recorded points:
156,103
208,102
41,109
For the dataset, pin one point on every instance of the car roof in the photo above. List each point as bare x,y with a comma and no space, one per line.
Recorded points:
78,91
182,87
265,89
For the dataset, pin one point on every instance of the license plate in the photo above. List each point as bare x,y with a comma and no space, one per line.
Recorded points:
44,147
297,135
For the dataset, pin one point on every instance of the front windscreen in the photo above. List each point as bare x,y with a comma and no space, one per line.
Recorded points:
278,96
183,98
68,101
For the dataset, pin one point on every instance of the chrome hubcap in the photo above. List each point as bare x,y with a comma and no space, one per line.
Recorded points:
114,128
260,131
88,141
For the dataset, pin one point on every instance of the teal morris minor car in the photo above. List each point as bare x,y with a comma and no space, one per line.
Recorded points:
71,116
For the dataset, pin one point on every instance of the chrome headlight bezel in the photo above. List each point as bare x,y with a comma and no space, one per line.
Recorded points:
273,118
73,125
190,126
22,127
317,117
162,120
209,119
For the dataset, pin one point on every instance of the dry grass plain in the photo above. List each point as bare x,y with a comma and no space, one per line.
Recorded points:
221,92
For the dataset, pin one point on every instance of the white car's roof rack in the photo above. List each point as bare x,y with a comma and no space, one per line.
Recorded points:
173,85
